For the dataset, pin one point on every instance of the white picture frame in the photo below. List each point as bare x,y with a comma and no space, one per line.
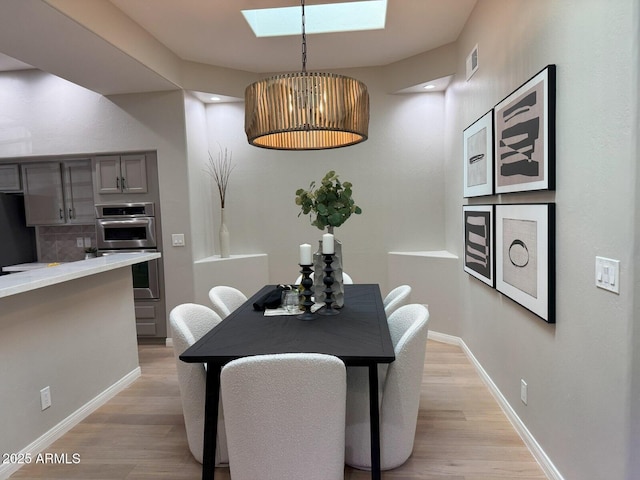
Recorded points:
479,242
478,147
525,140
525,256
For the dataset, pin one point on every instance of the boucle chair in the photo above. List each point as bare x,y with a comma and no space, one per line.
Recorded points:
396,298
189,322
346,279
285,416
226,299
399,394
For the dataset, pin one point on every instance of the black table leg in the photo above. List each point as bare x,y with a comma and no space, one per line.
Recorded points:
374,419
211,421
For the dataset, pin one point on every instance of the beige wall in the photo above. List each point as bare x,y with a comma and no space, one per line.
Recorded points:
397,178
578,371
71,337
582,373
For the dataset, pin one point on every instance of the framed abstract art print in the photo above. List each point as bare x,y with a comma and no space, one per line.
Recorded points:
478,157
479,242
525,136
525,256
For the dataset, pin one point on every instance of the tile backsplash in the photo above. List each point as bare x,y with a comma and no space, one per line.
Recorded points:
60,243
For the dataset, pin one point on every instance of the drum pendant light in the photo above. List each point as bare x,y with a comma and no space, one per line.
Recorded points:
306,110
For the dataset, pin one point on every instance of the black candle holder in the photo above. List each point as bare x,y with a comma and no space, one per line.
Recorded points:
328,282
307,283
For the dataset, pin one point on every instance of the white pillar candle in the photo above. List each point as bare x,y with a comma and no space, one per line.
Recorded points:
305,254
327,244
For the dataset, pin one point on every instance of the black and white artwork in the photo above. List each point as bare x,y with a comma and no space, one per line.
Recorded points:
478,157
525,136
478,242
525,256
520,268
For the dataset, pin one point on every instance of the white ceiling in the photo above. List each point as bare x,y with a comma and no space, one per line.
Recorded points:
8,63
215,32
211,32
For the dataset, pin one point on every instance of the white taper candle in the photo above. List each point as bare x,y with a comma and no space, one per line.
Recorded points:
327,244
305,254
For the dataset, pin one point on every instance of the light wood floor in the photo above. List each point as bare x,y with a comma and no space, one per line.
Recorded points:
462,434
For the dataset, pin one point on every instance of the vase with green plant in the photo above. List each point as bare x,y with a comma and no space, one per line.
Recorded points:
329,205
220,170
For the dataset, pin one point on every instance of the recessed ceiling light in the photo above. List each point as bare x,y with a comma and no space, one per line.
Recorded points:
428,85
334,17
210,98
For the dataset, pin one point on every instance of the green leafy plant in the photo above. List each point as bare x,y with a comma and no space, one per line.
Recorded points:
331,202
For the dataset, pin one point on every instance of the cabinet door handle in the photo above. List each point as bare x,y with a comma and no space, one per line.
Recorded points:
124,184
118,183
61,214
71,213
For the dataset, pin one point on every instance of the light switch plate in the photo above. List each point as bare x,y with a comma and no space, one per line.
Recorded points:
177,239
608,274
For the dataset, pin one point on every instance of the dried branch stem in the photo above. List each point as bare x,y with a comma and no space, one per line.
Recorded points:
220,169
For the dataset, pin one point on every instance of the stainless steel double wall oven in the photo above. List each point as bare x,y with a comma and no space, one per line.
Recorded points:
133,227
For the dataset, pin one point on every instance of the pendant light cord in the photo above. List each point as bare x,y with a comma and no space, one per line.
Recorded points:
304,42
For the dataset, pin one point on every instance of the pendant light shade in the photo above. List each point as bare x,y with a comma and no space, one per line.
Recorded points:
306,111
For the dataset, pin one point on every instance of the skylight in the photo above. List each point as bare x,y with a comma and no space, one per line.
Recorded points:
334,17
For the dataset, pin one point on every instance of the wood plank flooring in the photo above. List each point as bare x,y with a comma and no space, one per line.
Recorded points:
139,435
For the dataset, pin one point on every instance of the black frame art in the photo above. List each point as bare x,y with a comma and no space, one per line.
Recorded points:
478,157
525,256
525,136
479,244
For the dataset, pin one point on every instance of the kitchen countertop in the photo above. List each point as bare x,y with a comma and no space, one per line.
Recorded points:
45,276
25,267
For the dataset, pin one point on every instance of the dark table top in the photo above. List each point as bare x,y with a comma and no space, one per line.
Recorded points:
359,335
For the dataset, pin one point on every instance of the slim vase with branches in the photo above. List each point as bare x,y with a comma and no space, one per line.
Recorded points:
220,170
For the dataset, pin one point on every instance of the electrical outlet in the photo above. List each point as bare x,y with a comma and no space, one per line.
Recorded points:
79,242
87,241
45,398
523,391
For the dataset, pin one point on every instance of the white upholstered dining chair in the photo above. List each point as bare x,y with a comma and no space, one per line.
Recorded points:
396,298
399,394
285,416
226,299
189,322
346,279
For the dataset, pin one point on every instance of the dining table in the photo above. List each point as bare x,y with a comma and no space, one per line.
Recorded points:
358,335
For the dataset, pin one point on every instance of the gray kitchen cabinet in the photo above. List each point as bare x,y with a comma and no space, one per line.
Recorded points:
121,174
58,193
78,192
10,178
43,196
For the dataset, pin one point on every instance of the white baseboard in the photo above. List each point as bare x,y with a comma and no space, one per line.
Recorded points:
444,338
41,443
534,447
